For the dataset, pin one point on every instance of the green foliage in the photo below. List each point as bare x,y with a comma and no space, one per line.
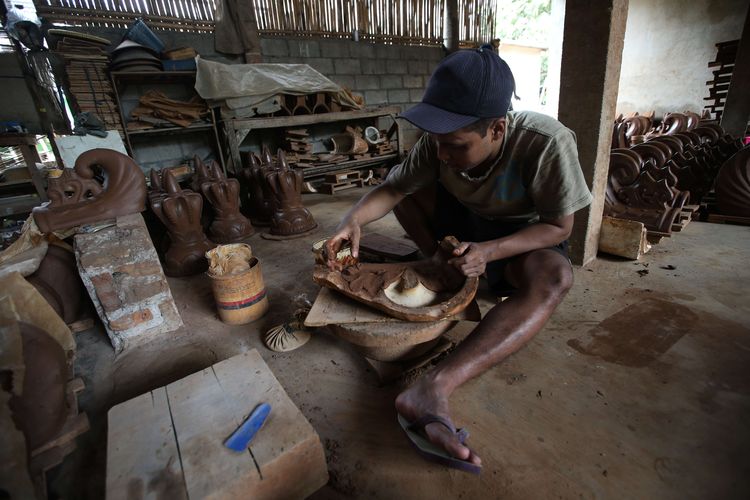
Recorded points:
524,20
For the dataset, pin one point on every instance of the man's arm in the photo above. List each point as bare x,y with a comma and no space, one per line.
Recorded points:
545,233
371,207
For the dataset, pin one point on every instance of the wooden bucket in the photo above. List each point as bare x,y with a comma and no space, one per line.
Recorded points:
240,298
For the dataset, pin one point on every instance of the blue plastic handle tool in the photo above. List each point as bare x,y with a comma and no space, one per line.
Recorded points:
240,439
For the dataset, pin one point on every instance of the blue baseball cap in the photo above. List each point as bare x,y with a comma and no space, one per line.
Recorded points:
466,86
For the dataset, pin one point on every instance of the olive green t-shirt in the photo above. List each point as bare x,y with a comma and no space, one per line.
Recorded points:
536,174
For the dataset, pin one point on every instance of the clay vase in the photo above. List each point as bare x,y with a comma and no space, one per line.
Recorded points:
180,212
289,217
41,408
229,225
258,205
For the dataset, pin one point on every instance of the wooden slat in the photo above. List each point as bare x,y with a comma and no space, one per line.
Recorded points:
408,22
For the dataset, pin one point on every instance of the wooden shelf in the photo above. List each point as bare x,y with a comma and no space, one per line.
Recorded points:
237,130
299,120
321,170
12,205
171,130
123,79
17,182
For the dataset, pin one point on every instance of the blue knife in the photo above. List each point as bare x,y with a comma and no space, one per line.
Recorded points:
240,439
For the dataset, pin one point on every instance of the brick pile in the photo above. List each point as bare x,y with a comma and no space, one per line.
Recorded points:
121,271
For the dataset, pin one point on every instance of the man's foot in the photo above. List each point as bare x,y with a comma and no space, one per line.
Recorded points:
422,398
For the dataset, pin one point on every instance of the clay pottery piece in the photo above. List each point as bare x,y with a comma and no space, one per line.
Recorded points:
426,290
343,256
180,212
41,409
79,199
58,281
289,216
229,225
392,341
286,337
733,185
259,197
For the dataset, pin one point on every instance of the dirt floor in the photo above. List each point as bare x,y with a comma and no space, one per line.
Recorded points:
637,388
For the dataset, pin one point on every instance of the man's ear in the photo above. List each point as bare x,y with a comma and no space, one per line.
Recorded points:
497,129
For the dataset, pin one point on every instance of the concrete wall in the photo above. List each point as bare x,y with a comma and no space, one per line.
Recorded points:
383,74
668,45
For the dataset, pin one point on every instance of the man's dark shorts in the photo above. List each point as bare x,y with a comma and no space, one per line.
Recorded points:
453,218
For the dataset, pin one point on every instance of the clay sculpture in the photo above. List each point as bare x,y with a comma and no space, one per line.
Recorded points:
58,281
228,225
290,217
39,407
180,212
733,185
77,198
258,200
425,290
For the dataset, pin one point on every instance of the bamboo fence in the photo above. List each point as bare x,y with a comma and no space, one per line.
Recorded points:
410,22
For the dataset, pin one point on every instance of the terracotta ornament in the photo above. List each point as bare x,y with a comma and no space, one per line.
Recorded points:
228,225
289,216
58,281
180,211
77,198
258,200
40,409
733,185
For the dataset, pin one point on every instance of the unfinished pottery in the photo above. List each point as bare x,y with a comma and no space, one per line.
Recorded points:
733,185
289,216
180,212
78,198
392,341
286,337
39,410
257,203
228,225
425,290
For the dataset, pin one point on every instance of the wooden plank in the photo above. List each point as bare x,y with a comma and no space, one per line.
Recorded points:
143,460
292,121
333,308
329,188
385,246
339,177
729,219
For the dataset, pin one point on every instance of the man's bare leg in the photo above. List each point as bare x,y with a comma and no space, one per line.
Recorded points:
542,277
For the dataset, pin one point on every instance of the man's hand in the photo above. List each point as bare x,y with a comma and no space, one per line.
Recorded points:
470,258
349,231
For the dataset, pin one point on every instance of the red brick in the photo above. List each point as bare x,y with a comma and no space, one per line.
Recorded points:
131,320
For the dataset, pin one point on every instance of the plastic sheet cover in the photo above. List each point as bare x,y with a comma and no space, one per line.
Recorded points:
242,88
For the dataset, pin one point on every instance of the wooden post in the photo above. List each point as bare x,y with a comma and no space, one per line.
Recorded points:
736,112
591,57
451,25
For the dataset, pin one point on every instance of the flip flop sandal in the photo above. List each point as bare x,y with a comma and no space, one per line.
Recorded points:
415,431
